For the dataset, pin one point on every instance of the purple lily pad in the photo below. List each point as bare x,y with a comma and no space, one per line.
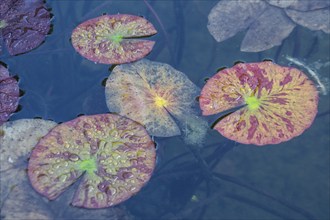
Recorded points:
9,94
114,154
113,39
267,23
24,24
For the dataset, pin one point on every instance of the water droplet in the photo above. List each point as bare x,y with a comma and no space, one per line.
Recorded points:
36,172
121,189
56,166
10,160
42,178
127,175
74,157
99,196
101,144
90,188
114,133
63,178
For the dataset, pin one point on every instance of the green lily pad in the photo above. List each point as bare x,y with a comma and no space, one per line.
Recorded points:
280,102
113,155
150,92
113,39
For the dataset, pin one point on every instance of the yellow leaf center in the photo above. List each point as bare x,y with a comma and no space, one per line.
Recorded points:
160,102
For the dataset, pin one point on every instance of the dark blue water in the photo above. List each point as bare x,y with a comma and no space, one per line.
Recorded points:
222,179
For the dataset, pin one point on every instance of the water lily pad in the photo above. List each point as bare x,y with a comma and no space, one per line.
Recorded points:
17,138
300,5
113,155
9,94
313,20
23,203
24,24
267,23
150,92
280,102
113,39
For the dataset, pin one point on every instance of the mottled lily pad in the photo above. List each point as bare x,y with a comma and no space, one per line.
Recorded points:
9,94
113,39
114,154
280,102
267,22
24,24
17,138
150,92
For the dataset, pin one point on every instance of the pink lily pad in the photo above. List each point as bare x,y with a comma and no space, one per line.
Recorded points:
281,102
151,93
24,24
113,39
9,94
114,155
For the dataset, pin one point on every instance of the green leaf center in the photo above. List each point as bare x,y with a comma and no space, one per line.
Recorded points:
88,165
252,102
117,38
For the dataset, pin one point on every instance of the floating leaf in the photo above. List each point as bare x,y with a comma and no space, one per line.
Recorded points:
267,31
23,203
267,22
113,39
23,24
300,5
281,102
17,138
149,92
115,154
9,94
313,20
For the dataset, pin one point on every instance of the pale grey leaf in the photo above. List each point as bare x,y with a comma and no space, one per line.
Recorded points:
283,4
300,5
313,20
267,31
23,203
228,17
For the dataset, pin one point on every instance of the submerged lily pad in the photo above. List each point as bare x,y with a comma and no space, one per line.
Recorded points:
23,203
150,92
267,22
9,94
113,39
280,102
24,24
114,154
17,138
